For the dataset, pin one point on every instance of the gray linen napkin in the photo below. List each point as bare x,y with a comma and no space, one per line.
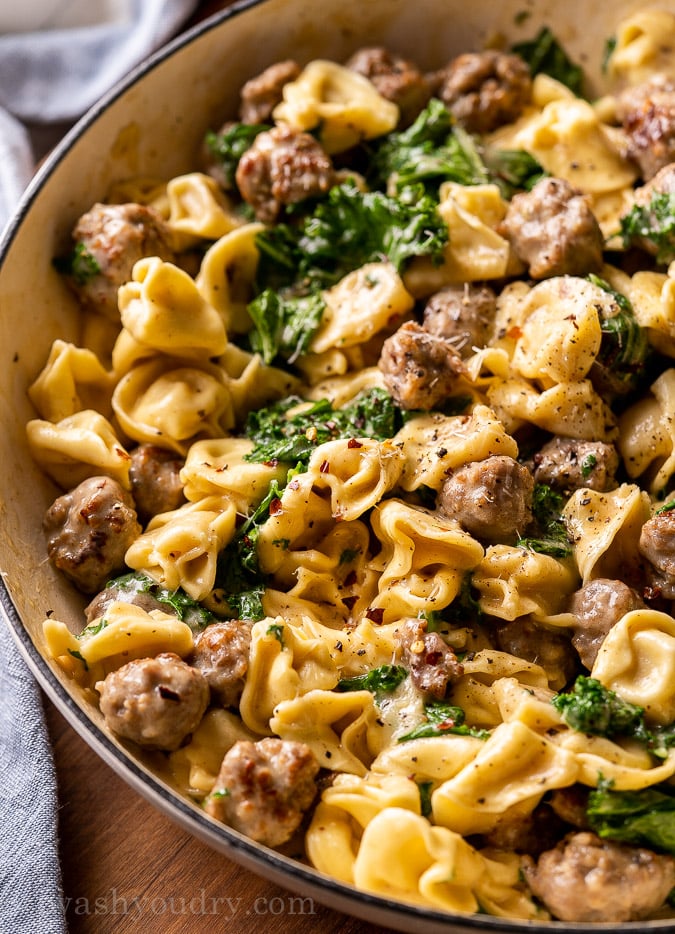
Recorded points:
49,78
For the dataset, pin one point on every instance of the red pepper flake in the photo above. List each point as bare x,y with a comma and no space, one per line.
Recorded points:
325,467
514,333
375,614
274,462
353,443
446,724
275,506
349,602
350,579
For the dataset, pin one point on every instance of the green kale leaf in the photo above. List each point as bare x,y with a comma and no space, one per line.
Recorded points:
443,718
346,230
290,431
228,147
653,223
79,265
282,326
177,601
624,349
544,54
640,818
592,708
382,680
550,535
238,573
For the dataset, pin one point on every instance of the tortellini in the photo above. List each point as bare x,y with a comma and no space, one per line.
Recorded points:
342,104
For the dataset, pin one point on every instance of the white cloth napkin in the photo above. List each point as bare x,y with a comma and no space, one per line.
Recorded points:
49,76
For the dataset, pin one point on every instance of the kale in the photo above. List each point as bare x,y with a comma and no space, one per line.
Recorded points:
238,572
513,170
624,348
550,534
382,680
276,630
279,434
592,708
346,230
430,151
425,798
177,601
640,818
228,147
79,265
434,150
284,326
652,224
607,52
544,54
441,719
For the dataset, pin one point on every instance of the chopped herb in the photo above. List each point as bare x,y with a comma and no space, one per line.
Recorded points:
284,326
443,718
653,223
93,629
277,630
544,54
349,555
229,146
382,680
238,573
79,264
624,349
177,601
79,657
588,465
221,793
667,507
549,535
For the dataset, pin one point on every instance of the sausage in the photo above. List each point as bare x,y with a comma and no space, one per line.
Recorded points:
485,90
221,653
553,230
463,314
572,464
282,166
155,702
550,648
116,236
264,787
588,879
396,78
530,833
88,531
647,114
260,95
432,663
420,369
491,499
156,486
598,606
657,545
